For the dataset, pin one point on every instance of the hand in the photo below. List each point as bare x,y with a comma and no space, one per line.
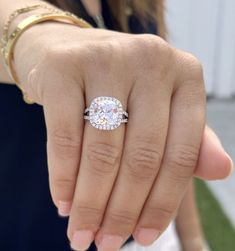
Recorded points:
132,179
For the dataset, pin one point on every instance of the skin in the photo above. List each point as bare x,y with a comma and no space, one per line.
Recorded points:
130,180
191,238
121,187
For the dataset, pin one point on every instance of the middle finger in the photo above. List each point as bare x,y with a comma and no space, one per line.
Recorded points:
144,148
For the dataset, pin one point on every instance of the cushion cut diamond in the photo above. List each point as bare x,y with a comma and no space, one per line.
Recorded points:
105,113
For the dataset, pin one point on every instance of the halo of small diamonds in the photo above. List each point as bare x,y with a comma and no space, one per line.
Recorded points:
105,113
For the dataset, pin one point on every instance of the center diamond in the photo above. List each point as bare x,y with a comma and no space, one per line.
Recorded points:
105,113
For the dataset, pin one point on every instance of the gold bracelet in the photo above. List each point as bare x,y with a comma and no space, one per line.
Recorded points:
8,49
18,12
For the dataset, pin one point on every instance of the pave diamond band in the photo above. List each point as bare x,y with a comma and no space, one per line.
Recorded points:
106,113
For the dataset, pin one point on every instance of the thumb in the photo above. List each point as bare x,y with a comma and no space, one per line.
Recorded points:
214,163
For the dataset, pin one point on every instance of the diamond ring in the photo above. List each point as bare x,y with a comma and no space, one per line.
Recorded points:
106,113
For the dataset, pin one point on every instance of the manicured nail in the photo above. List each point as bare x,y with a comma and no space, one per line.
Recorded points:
146,236
82,240
64,208
230,160
110,243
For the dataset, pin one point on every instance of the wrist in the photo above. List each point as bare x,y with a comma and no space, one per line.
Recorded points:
29,22
20,13
23,16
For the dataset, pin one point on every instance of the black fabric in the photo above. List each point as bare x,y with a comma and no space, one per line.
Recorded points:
106,13
28,218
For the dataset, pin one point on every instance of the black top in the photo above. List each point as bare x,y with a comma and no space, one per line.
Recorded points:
29,220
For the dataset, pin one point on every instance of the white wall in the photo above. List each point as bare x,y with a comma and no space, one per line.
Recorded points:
206,28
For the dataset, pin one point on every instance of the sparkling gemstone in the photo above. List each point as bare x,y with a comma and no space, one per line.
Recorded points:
105,113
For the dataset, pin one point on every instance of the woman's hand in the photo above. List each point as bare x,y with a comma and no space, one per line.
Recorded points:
131,179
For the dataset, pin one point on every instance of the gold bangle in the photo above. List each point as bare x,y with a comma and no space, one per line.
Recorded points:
18,12
8,49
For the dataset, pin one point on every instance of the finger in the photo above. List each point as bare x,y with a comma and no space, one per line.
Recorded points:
101,154
214,163
179,162
143,151
64,121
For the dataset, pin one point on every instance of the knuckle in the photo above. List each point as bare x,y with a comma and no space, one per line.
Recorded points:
88,215
161,211
55,55
96,56
143,161
103,157
160,215
195,63
63,183
122,218
64,142
192,68
156,51
84,210
153,43
57,66
61,60
84,216
181,161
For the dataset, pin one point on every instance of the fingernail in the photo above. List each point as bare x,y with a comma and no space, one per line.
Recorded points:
230,162
110,243
230,159
64,208
82,240
146,236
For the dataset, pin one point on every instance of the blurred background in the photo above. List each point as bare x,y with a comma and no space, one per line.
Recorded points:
207,29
